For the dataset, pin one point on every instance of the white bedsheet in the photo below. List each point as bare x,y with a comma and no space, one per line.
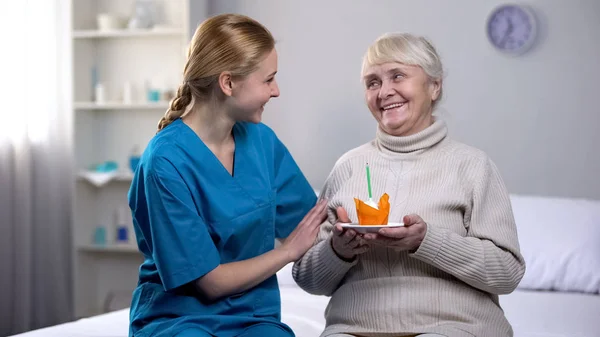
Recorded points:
552,314
532,314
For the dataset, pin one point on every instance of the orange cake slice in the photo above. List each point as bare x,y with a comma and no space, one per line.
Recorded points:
369,216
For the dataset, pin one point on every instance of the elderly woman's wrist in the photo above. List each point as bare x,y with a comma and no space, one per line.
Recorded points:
340,256
431,245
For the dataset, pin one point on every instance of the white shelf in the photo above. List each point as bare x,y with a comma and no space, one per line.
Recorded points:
109,132
125,33
100,179
120,105
110,248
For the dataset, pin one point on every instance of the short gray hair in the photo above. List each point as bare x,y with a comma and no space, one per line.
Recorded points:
407,49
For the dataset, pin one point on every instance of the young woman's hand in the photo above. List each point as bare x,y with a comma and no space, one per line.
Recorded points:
303,237
346,243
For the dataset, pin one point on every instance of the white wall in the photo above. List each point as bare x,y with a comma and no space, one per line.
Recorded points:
535,115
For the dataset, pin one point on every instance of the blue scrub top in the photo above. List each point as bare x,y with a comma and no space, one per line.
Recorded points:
190,215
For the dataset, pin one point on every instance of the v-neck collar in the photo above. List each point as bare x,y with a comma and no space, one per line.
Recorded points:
240,142
250,175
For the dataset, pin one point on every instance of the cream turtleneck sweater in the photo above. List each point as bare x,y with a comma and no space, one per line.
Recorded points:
470,253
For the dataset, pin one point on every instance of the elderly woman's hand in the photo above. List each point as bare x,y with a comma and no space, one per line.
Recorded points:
346,243
404,238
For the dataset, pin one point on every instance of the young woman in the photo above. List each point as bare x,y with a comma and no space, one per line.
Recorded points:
213,191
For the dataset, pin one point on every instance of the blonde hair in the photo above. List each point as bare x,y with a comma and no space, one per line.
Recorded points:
406,49
226,42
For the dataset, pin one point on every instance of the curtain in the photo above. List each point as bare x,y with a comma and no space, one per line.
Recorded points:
35,165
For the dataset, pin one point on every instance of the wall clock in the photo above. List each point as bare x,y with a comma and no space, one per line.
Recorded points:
512,28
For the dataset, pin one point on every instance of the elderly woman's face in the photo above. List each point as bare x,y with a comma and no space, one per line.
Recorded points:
400,97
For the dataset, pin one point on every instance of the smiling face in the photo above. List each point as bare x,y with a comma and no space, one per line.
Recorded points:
400,97
250,94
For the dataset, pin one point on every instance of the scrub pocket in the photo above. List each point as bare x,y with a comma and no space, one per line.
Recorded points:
268,302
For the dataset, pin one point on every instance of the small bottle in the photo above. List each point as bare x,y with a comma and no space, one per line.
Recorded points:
100,236
122,231
122,234
152,93
127,93
100,93
94,78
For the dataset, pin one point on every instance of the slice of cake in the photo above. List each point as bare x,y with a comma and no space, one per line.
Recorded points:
373,216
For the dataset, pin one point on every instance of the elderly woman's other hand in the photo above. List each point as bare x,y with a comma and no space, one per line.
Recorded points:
346,243
404,238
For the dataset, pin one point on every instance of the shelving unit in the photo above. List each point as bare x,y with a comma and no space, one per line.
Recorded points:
118,249
108,131
96,34
121,106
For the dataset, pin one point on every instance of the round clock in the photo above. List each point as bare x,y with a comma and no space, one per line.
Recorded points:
512,28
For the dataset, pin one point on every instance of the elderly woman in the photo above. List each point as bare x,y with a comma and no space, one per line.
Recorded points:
442,272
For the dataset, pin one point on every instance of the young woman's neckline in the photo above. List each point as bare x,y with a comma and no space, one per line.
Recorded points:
237,140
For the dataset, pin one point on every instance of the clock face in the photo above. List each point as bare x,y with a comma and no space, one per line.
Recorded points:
511,29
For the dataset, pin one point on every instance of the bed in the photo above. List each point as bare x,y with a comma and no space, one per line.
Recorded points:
559,295
532,314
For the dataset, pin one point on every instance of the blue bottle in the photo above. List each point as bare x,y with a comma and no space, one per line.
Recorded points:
122,231
122,234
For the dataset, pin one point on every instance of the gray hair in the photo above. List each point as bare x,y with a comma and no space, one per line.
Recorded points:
406,49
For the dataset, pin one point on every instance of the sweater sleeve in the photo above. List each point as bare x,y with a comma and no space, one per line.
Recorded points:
320,270
488,257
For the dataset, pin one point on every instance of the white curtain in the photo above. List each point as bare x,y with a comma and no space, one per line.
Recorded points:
35,165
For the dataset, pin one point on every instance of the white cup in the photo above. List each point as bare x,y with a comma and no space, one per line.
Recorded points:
109,22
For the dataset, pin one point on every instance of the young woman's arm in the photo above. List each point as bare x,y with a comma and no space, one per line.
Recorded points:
235,277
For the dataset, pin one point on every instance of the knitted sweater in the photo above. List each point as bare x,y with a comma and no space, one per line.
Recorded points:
470,253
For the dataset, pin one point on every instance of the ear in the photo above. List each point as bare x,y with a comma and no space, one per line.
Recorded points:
435,87
225,83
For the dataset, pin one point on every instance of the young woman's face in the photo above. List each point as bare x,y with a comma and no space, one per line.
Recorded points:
400,97
252,93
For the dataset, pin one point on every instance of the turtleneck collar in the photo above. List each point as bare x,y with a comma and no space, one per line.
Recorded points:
423,140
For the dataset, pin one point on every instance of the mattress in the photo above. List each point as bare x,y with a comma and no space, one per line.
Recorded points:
532,314
552,314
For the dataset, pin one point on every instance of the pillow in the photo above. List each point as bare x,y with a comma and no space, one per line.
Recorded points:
560,242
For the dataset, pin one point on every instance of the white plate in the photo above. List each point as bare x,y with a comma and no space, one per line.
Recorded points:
371,229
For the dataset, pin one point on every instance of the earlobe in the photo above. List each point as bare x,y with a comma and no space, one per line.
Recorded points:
225,83
436,86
